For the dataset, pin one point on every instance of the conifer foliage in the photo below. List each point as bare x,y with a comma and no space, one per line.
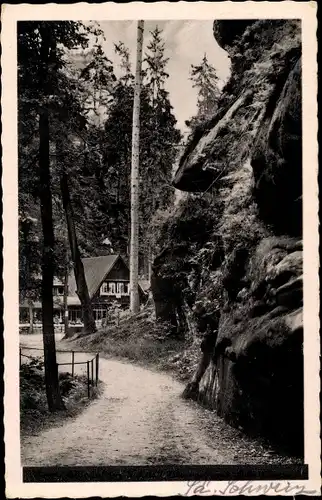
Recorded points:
204,78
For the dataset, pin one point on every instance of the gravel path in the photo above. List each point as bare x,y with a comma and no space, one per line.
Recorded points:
140,419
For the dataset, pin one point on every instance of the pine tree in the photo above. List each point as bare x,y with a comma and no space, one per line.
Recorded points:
82,290
47,53
205,80
156,62
99,75
123,52
159,142
97,79
114,178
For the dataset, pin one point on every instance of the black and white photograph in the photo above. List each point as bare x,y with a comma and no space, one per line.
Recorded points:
161,253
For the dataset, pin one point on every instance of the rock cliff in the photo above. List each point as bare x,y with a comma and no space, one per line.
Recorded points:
238,275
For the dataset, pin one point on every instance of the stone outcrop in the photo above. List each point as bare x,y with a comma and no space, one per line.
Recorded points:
259,344
275,160
226,32
247,163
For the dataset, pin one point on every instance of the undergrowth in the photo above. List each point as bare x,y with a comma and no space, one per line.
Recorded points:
34,413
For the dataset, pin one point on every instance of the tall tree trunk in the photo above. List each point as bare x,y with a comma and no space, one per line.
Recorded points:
134,248
150,262
65,298
82,290
51,369
151,241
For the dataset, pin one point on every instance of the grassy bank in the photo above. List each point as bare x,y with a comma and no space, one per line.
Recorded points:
143,341
34,413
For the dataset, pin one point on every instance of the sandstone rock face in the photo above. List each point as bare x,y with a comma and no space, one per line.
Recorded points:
226,32
264,353
276,160
259,107
247,160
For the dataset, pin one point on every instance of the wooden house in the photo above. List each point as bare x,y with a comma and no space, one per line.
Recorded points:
108,279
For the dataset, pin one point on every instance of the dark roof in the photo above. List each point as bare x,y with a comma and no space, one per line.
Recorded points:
96,268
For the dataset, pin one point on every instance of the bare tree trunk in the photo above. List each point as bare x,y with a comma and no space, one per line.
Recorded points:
51,369
66,323
134,248
82,290
151,242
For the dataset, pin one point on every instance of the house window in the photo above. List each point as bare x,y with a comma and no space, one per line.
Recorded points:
126,289
120,288
108,288
75,315
58,290
99,314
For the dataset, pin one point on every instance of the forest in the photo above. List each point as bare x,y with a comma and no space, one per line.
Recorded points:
74,150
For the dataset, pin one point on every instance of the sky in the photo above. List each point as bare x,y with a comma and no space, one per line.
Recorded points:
186,42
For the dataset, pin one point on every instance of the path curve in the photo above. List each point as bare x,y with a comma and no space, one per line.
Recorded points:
139,419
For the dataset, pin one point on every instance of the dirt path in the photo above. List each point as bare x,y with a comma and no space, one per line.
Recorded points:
139,419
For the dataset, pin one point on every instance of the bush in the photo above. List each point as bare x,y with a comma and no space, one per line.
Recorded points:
66,383
32,386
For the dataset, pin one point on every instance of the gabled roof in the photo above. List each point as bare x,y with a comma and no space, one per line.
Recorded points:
95,268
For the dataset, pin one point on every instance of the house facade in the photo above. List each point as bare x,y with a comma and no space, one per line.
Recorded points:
108,283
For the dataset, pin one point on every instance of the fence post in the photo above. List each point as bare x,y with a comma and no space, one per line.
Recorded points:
88,388
96,367
73,355
92,371
19,358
